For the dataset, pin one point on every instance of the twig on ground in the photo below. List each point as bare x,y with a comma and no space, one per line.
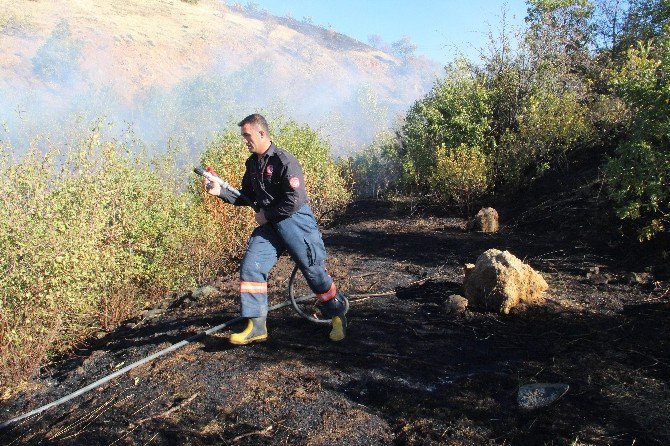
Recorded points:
371,285
264,432
362,297
147,404
151,439
656,360
360,276
167,412
86,419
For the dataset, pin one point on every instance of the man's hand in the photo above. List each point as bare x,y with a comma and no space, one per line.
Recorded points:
260,218
211,187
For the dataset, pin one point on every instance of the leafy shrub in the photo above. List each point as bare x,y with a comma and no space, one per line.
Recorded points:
455,112
639,173
325,186
377,169
226,154
461,175
89,233
550,126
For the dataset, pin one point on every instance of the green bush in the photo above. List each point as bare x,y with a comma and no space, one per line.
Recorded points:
89,234
325,186
639,173
461,175
377,169
93,231
455,112
550,125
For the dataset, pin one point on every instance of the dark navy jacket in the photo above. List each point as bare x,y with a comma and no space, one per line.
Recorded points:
275,183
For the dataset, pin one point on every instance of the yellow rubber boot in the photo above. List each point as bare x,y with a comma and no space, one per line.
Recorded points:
335,308
338,332
256,331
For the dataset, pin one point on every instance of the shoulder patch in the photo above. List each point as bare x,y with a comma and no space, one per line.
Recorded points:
294,182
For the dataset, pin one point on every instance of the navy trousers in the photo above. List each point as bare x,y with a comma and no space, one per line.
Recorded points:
300,236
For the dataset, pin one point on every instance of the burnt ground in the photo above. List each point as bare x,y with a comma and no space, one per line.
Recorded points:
407,374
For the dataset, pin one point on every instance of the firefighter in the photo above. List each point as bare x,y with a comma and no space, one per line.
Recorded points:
275,184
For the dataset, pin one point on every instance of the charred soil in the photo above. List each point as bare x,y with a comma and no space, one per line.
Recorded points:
408,373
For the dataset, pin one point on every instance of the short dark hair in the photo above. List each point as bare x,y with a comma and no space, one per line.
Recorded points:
256,119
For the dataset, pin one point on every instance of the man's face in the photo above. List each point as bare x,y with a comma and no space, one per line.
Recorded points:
255,138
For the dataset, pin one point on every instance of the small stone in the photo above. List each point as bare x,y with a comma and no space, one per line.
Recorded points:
455,304
205,291
148,314
640,278
534,396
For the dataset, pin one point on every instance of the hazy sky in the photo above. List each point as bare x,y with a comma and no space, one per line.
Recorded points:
439,28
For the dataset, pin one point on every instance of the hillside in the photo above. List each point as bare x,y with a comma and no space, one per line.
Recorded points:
156,61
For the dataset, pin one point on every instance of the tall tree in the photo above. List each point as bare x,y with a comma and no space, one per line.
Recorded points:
559,38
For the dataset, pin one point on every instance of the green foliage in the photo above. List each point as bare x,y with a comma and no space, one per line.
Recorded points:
89,233
513,118
645,20
639,173
558,38
377,169
501,126
508,91
325,187
230,224
539,6
461,174
549,127
455,112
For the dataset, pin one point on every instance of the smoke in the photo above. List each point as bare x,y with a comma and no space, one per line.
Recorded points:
55,94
